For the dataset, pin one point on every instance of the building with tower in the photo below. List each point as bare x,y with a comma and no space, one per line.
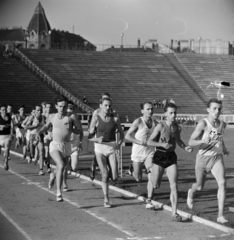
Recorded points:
39,35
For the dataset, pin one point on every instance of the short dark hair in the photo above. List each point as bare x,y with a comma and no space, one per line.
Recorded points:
213,100
143,104
3,105
21,106
105,99
105,94
9,105
170,105
70,102
60,98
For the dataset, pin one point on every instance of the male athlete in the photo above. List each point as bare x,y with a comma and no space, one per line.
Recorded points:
6,133
138,134
34,124
164,137
47,136
20,131
208,135
76,140
60,148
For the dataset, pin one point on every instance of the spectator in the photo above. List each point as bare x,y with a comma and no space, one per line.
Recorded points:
85,100
164,103
6,51
172,101
159,103
127,118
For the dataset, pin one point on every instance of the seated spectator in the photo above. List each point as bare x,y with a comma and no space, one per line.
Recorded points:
6,51
85,100
159,103
172,101
127,118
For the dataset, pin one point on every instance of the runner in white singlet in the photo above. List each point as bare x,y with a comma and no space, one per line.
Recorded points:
138,134
208,135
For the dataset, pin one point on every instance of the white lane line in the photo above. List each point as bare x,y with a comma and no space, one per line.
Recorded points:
15,224
76,204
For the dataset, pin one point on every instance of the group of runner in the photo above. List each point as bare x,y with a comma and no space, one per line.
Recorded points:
60,135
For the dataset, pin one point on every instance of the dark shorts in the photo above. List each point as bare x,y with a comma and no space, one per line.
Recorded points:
165,159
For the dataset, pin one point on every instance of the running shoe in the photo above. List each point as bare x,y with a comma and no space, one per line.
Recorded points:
222,220
189,200
41,173
176,218
150,206
107,204
59,198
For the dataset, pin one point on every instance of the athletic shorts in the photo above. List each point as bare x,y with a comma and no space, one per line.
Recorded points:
20,132
165,159
33,140
205,163
104,148
63,147
4,139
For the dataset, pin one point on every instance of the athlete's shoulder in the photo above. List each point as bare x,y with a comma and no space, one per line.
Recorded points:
96,112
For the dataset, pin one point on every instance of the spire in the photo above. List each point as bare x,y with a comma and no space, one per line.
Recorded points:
39,21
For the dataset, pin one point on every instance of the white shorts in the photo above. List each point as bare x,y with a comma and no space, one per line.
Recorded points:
4,139
62,147
19,132
104,148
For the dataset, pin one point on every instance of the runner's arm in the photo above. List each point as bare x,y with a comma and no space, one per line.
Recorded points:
92,127
199,130
180,142
120,130
130,135
75,128
46,126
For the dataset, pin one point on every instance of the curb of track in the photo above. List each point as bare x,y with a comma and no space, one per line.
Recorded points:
162,206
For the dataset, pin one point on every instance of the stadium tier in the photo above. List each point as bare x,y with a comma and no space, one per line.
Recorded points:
207,68
20,86
131,78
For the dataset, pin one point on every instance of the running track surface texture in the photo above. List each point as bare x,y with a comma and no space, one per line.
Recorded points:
205,211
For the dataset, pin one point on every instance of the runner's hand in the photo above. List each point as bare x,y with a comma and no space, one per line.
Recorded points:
100,139
225,152
206,140
188,149
166,145
143,142
80,147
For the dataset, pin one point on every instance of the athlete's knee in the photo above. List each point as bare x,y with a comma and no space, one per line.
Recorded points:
105,178
222,183
199,187
173,187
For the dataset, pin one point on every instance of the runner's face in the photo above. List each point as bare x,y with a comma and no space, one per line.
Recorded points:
38,111
106,106
171,114
148,110
3,111
62,107
9,109
48,108
214,110
21,110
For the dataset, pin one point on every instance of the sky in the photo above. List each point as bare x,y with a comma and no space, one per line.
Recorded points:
103,21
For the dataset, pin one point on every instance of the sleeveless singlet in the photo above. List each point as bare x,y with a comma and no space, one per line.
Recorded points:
40,125
106,129
169,135
143,133
214,147
6,131
59,131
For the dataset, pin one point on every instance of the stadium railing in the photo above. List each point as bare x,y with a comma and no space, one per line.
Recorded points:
51,82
